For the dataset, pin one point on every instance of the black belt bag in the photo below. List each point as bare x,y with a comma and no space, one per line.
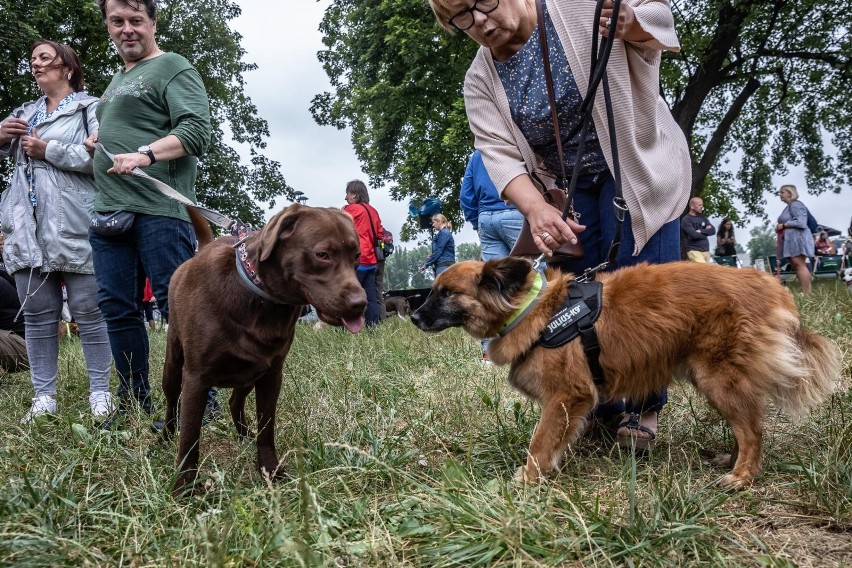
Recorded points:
112,223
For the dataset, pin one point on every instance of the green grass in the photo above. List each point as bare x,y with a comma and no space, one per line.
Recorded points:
399,449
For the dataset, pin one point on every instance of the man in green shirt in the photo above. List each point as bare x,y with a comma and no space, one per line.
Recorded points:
154,115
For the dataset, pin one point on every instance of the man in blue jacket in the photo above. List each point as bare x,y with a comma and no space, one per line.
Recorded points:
497,223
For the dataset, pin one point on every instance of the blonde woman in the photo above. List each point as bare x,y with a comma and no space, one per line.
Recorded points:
443,246
797,243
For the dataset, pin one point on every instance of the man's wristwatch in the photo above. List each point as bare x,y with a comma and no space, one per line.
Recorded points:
148,152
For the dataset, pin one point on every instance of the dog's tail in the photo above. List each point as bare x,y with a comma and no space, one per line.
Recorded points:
819,367
203,232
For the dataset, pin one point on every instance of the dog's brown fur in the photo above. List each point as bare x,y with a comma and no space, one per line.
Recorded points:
734,334
223,335
203,232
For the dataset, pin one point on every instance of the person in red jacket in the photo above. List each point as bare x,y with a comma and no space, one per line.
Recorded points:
148,305
368,224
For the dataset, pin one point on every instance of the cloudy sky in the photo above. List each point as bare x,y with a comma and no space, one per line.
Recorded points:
282,38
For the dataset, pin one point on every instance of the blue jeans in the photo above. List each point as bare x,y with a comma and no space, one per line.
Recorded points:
498,231
593,200
154,246
367,279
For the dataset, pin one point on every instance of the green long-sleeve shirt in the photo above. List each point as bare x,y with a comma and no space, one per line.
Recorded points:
157,97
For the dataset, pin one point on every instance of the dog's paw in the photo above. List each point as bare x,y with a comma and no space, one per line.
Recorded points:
245,433
167,432
731,481
274,472
527,475
185,486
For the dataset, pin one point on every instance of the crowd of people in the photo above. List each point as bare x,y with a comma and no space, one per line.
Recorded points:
73,154
73,215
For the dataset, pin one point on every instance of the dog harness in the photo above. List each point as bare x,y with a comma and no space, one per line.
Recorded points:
577,317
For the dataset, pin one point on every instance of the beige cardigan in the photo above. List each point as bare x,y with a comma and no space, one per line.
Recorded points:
655,163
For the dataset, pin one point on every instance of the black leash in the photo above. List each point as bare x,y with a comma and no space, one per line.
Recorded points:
583,303
600,54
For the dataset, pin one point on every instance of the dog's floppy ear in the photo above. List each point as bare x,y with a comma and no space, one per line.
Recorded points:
279,226
505,276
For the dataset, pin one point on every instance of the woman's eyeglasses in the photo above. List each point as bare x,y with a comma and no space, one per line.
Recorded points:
464,20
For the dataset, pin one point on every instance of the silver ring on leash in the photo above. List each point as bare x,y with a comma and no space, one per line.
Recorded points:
544,235
608,22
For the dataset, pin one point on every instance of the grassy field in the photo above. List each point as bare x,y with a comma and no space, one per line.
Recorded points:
399,449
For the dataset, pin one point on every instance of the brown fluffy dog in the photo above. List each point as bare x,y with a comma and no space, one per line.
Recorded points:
734,334
221,334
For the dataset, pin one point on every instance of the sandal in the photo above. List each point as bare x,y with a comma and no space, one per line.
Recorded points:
631,440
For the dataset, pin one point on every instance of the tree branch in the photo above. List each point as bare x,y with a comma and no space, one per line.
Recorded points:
717,140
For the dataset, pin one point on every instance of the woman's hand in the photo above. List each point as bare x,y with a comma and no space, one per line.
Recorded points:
90,142
34,147
548,229
12,128
626,27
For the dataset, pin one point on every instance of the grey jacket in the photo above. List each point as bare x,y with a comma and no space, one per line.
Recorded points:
55,236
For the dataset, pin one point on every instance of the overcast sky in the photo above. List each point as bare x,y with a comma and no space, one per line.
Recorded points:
283,39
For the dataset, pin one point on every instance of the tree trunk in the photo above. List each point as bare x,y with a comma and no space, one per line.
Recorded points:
710,74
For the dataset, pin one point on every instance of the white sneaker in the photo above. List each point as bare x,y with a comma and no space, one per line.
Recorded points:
101,404
42,405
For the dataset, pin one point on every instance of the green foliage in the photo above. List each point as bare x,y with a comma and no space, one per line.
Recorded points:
768,80
399,451
468,251
763,242
396,80
402,269
196,29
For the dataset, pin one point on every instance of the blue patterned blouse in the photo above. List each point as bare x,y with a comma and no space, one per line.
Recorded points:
523,79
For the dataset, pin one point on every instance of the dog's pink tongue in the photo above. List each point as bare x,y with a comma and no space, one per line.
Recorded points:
353,326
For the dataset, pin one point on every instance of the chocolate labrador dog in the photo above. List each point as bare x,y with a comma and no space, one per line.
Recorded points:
233,318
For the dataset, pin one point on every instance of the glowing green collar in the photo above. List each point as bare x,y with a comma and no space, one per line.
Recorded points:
532,298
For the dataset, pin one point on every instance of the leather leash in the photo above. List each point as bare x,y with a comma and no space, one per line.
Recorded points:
210,214
245,266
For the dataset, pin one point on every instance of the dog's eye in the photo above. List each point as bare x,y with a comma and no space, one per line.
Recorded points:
322,255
